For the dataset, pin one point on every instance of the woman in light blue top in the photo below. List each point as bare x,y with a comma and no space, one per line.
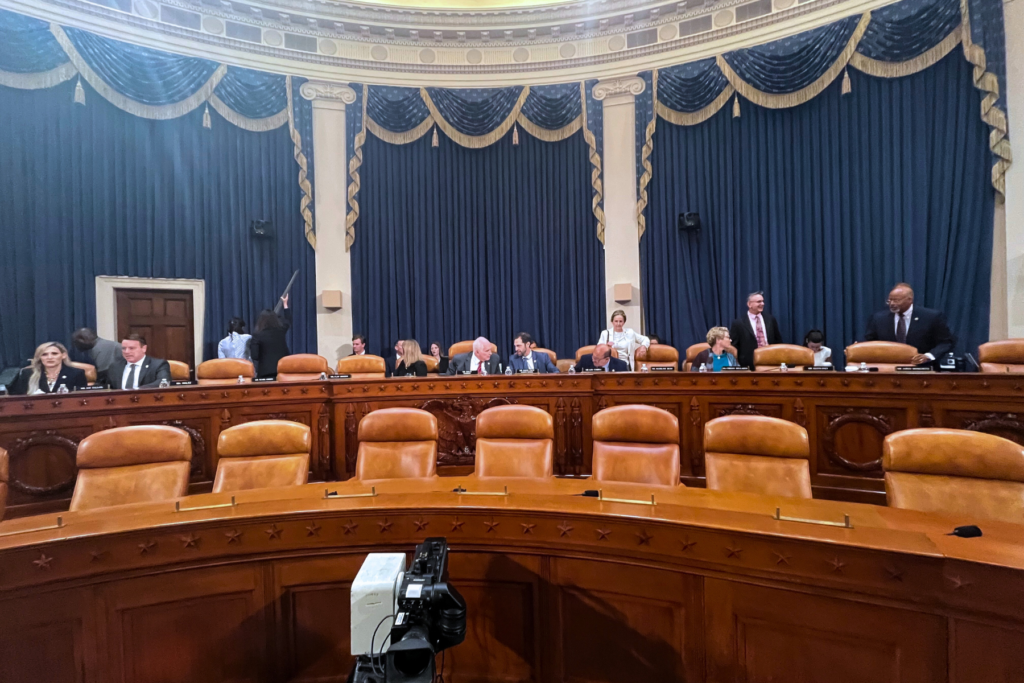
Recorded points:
236,344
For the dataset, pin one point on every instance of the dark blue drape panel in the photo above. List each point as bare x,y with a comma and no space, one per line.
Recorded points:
93,191
825,206
454,243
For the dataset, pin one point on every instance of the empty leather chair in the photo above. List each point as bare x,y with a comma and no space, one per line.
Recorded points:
955,472
661,356
361,367
1002,356
138,464
515,441
396,443
770,358
757,454
4,476
262,454
180,372
636,444
224,371
551,354
884,355
584,350
563,364
302,367
465,347
431,363
87,368
692,351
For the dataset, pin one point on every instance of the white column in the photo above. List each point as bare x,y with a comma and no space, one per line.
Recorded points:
621,233
1014,208
333,267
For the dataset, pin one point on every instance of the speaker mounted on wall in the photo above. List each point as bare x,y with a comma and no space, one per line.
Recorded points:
689,222
262,229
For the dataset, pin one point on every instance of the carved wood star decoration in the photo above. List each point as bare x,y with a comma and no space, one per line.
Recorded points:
837,565
420,524
385,525
643,538
603,534
190,541
146,547
686,544
313,529
457,524
234,536
527,527
895,573
781,558
273,533
43,562
96,555
733,551
957,582
564,529
491,526
351,527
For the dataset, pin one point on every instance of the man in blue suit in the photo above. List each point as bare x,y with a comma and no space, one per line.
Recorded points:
525,360
601,359
923,328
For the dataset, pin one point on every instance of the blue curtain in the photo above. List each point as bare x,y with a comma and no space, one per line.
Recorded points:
824,207
93,191
454,243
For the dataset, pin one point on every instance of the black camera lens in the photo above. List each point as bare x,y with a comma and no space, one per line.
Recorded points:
412,663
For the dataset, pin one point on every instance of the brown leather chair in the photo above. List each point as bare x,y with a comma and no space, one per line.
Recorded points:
138,464
757,454
87,368
515,441
662,356
563,364
636,444
395,443
551,354
884,355
224,371
180,372
361,367
262,454
431,363
1002,356
302,367
465,347
584,350
692,351
4,477
959,473
769,358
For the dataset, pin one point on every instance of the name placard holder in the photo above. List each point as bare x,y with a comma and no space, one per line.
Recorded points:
601,496
463,492
338,496
845,524
178,508
58,525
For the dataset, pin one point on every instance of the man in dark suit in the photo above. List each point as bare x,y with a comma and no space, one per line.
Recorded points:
525,360
923,328
601,359
135,369
358,345
480,361
753,330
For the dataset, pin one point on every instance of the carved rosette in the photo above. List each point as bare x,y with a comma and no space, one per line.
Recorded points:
456,426
739,409
998,422
198,447
23,446
855,416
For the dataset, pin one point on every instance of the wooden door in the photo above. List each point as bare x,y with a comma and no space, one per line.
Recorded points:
163,317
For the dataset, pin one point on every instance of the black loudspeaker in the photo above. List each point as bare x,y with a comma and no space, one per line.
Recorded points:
689,222
262,229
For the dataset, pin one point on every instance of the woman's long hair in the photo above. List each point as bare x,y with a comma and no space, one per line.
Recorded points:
411,352
268,320
37,363
440,349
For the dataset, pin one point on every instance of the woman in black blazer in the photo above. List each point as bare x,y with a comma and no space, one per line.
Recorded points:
268,344
442,361
47,373
412,360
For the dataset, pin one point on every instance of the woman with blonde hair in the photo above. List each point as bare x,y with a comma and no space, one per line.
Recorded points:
721,353
412,360
628,342
47,373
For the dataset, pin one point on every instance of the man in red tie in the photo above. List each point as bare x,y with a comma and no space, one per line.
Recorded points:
482,360
753,330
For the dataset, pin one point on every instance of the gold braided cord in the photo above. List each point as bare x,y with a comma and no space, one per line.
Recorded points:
692,118
776,101
40,80
645,158
353,173
879,69
160,112
398,138
475,141
595,162
300,159
991,114
262,125
556,135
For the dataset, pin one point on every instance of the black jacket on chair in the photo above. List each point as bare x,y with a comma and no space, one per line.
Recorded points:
72,378
269,346
744,340
152,371
927,332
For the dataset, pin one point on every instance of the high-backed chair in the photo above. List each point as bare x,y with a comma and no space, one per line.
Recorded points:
584,350
563,364
637,444
551,354
515,441
959,473
1006,355
180,372
262,454
224,371
137,464
431,363
362,367
662,356
769,358
692,351
465,347
396,443
884,355
4,477
302,367
757,454
87,368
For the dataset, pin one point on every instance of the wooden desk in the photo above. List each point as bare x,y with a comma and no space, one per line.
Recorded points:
846,415
703,586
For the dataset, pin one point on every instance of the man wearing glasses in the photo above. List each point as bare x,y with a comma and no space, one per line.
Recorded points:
923,328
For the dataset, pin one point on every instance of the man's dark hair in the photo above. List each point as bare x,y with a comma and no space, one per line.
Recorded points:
655,339
525,336
360,337
815,336
135,336
237,325
84,339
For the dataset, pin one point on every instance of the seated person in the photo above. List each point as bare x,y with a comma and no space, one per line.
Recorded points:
480,361
525,360
721,353
412,360
390,366
442,361
136,369
358,345
46,374
601,359
100,352
236,344
815,341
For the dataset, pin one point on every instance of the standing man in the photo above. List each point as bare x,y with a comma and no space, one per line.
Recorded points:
135,369
753,330
525,360
102,352
358,345
923,328
480,361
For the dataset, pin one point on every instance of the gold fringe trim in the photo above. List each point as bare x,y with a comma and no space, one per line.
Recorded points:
353,173
992,115
300,159
146,111
398,138
475,141
684,118
595,162
645,159
556,135
40,80
879,69
244,122
774,101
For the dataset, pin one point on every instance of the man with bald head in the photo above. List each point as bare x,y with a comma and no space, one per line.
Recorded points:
480,361
923,328
601,360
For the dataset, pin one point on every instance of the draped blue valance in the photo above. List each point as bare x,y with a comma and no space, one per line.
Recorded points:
691,87
553,106
477,111
26,45
396,109
908,29
253,94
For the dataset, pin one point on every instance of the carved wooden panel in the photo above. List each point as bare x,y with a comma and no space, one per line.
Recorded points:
44,639
456,426
42,463
851,438
986,654
743,407
1007,425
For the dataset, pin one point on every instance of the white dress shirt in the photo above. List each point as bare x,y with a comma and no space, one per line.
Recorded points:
128,372
753,325
529,361
907,316
474,364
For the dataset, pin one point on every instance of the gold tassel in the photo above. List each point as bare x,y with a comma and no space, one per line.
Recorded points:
79,92
736,107
515,134
433,139
847,88
206,118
